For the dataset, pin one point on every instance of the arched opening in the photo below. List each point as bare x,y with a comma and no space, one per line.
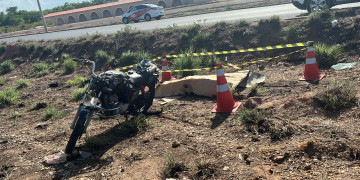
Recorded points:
119,12
94,15
71,19
106,14
176,3
60,21
82,17
162,3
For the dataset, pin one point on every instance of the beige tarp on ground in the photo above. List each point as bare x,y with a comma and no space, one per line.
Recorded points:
205,85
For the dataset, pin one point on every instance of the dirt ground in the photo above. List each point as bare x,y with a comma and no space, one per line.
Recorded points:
321,145
311,143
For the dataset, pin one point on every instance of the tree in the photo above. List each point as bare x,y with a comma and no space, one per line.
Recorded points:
11,10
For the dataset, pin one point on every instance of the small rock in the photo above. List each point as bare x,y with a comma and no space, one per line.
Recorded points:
3,141
240,157
278,159
109,159
40,105
255,139
85,155
54,85
226,168
21,105
146,141
240,147
41,126
175,144
307,166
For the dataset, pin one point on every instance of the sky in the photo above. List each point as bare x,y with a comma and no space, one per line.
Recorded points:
30,5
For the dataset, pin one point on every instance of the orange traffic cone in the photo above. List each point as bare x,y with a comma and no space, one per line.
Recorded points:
165,76
224,100
311,71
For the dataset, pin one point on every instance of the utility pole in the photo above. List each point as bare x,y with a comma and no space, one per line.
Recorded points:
42,17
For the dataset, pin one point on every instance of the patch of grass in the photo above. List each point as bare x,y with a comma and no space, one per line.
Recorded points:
172,168
28,47
2,49
94,143
6,67
243,23
327,55
188,62
51,114
102,58
292,33
280,131
40,69
136,124
37,106
77,94
254,120
201,40
273,24
5,172
337,96
76,81
8,96
69,66
317,20
130,58
49,50
205,169
22,83
2,81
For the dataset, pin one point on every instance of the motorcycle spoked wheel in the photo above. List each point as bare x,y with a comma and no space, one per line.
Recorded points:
143,102
77,131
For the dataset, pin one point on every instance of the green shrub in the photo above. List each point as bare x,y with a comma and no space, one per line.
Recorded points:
51,114
6,67
251,117
130,58
102,58
40,69
243,23
292,33
172,167
2,81
136,124
337,96
273,24
2,49
317,20
94,143
69,66
48,50
21,83
326,55
188,62
78,94
76,81
8,96
201,40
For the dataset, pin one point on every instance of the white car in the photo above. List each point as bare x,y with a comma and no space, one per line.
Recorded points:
315,5
143,11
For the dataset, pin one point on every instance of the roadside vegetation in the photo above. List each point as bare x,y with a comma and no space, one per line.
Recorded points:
8,96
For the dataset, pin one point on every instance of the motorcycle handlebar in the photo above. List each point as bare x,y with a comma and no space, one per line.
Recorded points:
90,62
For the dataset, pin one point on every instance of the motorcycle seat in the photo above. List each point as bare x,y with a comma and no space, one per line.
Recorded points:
136,79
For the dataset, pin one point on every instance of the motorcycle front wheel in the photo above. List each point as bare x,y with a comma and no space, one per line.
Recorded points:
144,102
78,130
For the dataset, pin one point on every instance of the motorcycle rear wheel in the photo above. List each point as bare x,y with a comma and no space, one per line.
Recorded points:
144,102
78,130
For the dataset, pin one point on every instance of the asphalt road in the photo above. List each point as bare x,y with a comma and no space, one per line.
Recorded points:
284,11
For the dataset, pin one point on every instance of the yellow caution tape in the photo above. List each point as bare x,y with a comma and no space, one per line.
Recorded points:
302,44
243,64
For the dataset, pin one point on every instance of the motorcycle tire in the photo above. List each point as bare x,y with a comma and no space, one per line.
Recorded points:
78,130
144,103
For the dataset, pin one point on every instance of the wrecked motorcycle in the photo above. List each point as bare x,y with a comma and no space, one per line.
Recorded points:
114,93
